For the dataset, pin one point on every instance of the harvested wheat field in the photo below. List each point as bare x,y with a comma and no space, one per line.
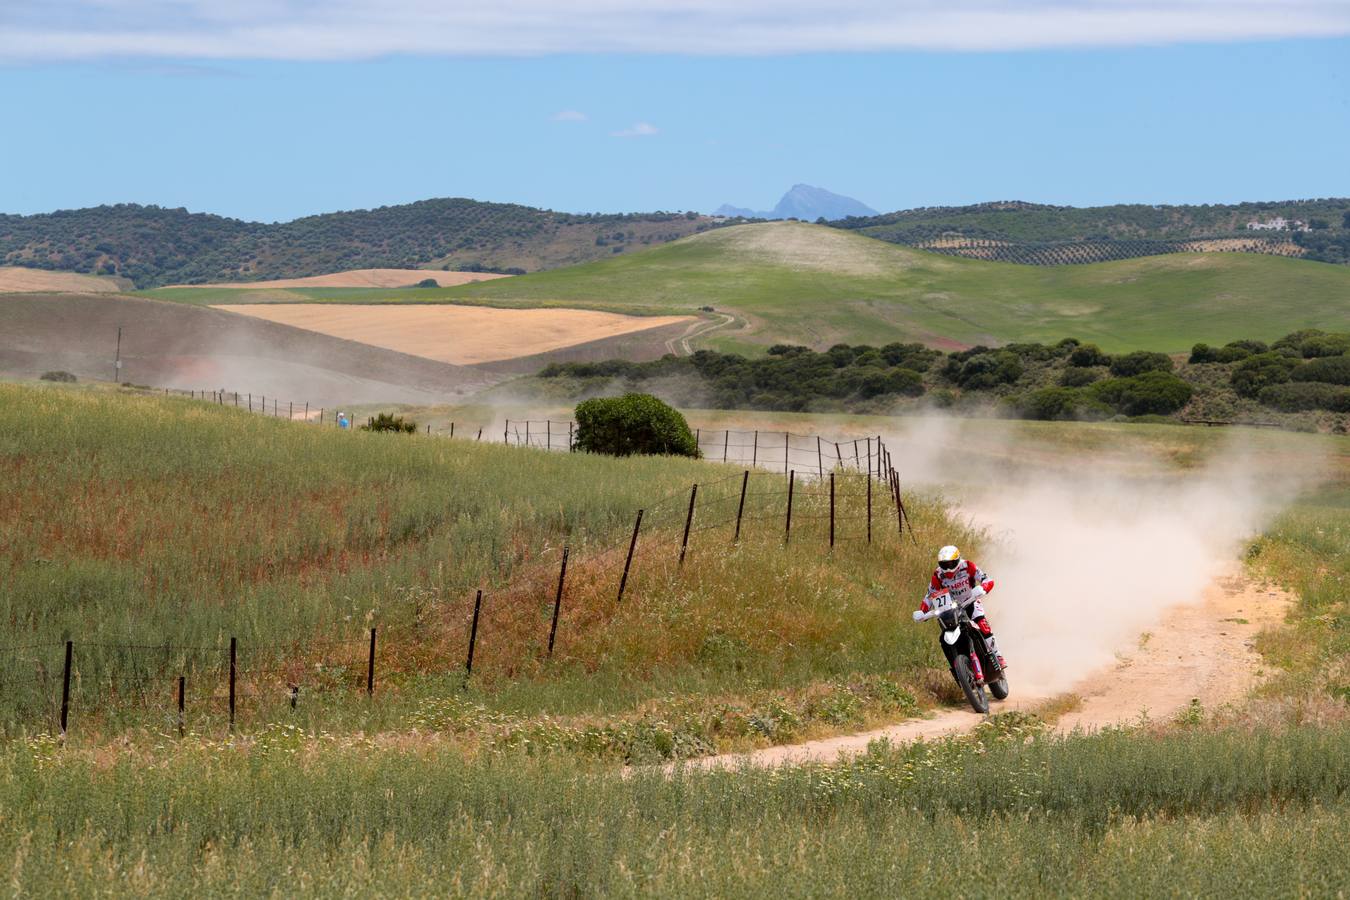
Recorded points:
462,335
361,278
20,280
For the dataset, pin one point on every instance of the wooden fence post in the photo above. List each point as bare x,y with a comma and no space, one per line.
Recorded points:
473,636
370,665
857,461
740,509
452,429
831,510
506,432
232,676
787,531
726,444
480,435
65,688
688,521
557,602
571,444
820,460
628,562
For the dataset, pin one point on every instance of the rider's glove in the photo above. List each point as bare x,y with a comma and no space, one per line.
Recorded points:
918,616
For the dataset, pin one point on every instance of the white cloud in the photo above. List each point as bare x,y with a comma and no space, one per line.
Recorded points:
356,29
569,115
638,129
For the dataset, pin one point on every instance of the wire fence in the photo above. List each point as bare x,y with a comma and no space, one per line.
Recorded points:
846,495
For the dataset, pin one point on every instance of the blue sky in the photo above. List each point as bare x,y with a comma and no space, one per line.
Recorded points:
1079,119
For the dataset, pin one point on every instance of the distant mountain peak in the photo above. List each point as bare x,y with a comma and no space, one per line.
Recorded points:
806,202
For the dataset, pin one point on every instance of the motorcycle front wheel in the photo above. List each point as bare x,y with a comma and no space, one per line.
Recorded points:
979,701
999,688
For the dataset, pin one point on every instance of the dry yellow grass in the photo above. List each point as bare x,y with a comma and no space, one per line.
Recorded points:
362,278
17,279
462,335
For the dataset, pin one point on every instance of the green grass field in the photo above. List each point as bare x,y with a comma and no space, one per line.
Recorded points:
169,525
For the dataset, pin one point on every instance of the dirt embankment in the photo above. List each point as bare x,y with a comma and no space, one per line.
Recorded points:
462,335
190,347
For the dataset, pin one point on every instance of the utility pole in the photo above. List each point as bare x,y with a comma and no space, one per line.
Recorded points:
117,360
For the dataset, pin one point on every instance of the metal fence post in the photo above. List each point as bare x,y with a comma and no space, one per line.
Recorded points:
754,452
182,702
869,507
370,665
628,562
820,460
688,521
557,602
740,509
473,635
65,688
787,531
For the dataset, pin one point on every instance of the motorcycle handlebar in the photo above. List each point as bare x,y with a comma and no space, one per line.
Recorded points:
920,616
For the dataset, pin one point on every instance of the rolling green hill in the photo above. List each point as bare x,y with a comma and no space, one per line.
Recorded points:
789,282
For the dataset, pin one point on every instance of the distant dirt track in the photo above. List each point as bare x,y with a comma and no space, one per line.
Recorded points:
462,335
361,278
177,345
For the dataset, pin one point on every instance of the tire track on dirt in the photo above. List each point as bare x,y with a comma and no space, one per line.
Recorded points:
1203,652
681,346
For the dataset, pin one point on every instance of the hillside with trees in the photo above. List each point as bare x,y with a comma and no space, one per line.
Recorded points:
1038,234
153,246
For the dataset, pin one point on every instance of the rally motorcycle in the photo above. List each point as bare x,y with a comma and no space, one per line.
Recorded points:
972,665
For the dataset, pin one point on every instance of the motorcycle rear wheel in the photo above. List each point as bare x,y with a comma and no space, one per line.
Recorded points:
979,701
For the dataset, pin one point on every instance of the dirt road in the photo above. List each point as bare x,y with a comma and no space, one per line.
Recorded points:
1198,652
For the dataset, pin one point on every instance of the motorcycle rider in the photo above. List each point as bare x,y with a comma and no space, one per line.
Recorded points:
963,579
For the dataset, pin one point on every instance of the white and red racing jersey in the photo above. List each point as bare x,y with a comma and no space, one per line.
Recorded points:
959,581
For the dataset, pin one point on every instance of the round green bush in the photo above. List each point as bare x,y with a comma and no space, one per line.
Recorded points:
1300,396
1326,369
1078,377
1088,355
633,424
1257,372
61,376
1158,393
1052,403
1139,362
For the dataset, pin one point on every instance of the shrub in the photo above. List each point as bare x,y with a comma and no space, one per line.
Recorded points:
1260,371
633,424
1072,378
1300,396
1203,353
1088,355
1139,362
428,283
1153,392
1050,403
1327,369
64,377
387,422
1232,353
989,370
1311,343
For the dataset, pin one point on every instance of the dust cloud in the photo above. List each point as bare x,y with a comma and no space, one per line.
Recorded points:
1089,549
